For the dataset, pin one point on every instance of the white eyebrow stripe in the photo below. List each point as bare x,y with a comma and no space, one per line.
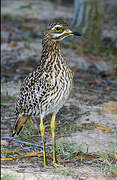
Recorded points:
59,34
56,26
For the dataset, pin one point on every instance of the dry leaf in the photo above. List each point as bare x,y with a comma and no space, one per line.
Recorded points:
112,74
95,97
26,66
110,109
114,174
4,143
74,70
6,159
90,57
90,82
13,43
67,107
32,21
101,127
84,156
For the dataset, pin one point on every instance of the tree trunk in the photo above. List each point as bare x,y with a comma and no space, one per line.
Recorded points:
88,19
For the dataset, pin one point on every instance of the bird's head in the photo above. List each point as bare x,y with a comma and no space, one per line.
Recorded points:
58,30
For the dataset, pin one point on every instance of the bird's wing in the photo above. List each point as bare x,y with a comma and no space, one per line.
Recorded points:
35,88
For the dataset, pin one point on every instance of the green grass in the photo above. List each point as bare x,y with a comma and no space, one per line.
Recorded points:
9,96
29,5
69,44
68,150
28,131
109,165
27,38
7,152
100,49
67,127
5,98
115,11
8,177
66,172
3,105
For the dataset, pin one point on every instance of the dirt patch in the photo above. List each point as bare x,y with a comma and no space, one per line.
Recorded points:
85,127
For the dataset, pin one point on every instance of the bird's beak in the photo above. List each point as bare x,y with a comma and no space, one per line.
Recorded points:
73,33
76,34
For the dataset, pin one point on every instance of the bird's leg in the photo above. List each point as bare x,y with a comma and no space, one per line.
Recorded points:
42,129
52,125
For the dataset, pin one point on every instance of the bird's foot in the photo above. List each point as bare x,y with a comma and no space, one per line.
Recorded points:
47,167
56,165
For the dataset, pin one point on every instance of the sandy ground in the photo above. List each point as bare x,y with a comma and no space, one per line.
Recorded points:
85,107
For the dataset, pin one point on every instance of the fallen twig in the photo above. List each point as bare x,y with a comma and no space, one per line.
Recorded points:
12,117
21,142
35,154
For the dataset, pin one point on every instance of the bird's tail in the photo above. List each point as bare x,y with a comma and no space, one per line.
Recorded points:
19,124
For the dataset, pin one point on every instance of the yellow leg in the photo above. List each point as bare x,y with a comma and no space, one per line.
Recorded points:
52,125
42,129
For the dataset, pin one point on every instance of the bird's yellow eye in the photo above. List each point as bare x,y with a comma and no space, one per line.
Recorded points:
58,29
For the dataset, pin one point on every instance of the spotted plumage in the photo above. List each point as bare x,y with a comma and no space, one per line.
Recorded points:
46,89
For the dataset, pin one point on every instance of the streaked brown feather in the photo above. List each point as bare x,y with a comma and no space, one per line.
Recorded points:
46,89
19,124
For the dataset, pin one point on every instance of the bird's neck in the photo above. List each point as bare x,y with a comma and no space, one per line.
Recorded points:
50,47
51,52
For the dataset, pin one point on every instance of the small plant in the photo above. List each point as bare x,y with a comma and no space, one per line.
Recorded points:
29,6
109,165
28,131
25,37
3,105
68,150
6,152
67,172
8,177
101,49
9,96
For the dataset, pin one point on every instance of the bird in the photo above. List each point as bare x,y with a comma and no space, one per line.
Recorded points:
45,90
